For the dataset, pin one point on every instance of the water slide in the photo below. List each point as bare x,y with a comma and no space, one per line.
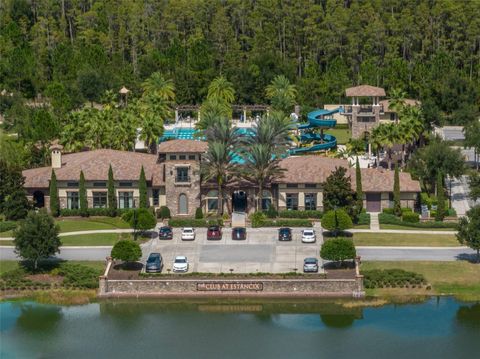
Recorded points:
322,120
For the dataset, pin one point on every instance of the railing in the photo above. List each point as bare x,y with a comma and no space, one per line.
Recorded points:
363,109
182,179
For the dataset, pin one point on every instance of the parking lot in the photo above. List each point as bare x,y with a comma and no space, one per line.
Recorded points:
260,252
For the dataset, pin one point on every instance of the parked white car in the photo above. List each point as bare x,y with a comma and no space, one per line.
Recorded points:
308,236
188,234
180,264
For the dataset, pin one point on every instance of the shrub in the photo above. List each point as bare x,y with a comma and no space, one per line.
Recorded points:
191,222
429,200
406,210
377,278
451,212
300,214
7,226
163,212
77,275
336,220
199,213
140,218
411,217
291,222
390,219
338,249
363,219
271,212
257,218
388,211
127,251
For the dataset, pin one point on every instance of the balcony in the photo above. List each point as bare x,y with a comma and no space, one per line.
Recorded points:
182,180
363,110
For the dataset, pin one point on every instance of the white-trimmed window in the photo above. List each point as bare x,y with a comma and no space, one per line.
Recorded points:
212,201
292,201
266,199
125,199
310,201
99,199
72,200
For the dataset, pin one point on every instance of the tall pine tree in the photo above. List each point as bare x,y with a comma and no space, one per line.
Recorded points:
358,183
112,199
142,188
54,203
83,196
397,208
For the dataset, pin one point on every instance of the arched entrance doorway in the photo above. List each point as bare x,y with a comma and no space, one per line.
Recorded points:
239,201
38,199
182,204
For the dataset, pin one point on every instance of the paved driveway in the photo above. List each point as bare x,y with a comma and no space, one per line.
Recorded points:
260,252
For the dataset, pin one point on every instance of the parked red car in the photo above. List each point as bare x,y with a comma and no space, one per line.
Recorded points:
214,233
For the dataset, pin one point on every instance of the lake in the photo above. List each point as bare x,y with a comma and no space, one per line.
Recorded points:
437,328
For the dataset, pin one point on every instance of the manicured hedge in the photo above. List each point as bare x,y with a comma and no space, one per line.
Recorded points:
391,210
105,212
392,278
191,222
294,222
300,214
391,219
411,217
363,218
7,226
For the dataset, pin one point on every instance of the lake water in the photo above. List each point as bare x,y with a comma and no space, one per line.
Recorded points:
438,328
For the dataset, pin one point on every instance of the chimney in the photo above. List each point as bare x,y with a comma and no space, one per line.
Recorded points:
56,155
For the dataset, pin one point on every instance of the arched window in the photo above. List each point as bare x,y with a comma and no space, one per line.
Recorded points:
212,201
182,204
266,199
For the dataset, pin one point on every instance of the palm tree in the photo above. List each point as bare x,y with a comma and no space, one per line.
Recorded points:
261,166
217,164
221,89
272,130
386,135
158,86
282,94
397,101
211,111
152,130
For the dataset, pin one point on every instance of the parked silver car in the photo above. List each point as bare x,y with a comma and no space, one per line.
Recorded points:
310,265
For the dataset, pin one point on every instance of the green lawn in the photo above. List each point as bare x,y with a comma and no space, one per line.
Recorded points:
458,278
405,239
6,266
84,224
89,224
6,243
342,134
361,226
6,234
396,226
96,239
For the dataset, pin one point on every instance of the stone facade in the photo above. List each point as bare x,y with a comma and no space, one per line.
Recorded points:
176,187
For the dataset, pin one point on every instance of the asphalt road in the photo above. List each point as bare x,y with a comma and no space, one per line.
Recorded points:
367,253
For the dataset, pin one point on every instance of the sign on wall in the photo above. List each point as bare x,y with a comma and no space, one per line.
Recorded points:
229,286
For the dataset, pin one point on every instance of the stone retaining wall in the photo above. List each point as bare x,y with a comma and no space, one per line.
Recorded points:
233,287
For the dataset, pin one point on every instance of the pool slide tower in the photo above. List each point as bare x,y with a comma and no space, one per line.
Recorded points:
318,119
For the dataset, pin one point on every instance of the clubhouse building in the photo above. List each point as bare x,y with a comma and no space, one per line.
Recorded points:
174,180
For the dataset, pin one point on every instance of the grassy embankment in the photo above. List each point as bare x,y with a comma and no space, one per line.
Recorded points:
405,239
342,134
460,279
68,293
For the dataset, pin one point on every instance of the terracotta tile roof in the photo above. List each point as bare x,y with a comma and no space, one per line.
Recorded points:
95,164
365,90
183,146
408,102
316,169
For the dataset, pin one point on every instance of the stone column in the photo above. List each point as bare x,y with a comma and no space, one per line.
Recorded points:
176,115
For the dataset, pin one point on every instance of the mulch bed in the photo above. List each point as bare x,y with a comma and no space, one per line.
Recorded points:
45,278
341,274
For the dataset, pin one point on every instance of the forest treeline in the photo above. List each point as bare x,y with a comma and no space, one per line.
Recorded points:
72,51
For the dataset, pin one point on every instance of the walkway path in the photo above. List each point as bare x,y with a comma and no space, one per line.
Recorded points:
239,219
404,231
374,223
460,190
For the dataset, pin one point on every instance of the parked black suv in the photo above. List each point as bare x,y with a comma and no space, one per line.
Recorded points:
154,263
239,233
284,234
165,232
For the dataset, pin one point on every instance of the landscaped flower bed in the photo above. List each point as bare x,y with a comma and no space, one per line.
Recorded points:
393,278
385,218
